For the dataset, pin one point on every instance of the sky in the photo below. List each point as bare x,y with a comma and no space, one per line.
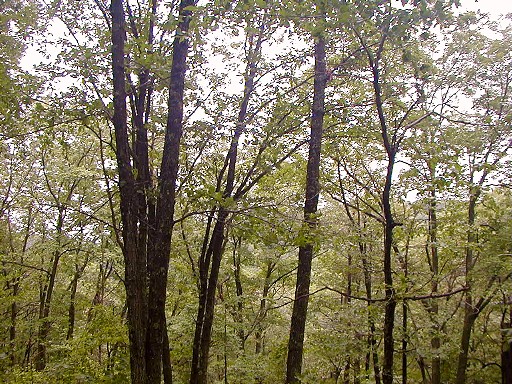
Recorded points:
494,7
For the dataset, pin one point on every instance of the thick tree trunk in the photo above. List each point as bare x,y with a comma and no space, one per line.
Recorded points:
135,265
158,257
300,304
147,225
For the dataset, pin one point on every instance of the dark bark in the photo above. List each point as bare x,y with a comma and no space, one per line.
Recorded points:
13,319
44,312
71,309
372,342
404,343
46,295
471,309
166,359
213,247
239,306
262,313
206,334
506,345
391,148
300,304
434,265
160,243
146,223
135,264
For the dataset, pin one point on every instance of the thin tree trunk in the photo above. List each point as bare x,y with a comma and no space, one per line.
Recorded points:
16,287
212,253
300,304
44,312
470,310
506,344
47,294
239,306
434,262
12,325
71,309
262,313
389,224
404,343
166,359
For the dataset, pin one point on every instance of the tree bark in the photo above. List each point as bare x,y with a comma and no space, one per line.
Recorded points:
71,309
471,310
146,224
166,359
238,309
300,304
46,296
434,262
262,313
506,345
135,264
212,252
158,259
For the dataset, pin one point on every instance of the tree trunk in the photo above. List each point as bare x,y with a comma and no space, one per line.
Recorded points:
71,309
434,262
166,359
146,224
506,344
12,325
471,310
44,312
158,257
262,313
212,251
46,296
469,319
391,148
300,304
239,306
135,264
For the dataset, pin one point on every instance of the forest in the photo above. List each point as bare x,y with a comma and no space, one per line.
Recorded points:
255,191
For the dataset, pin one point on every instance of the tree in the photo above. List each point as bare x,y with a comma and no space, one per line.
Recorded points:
147,222
312,192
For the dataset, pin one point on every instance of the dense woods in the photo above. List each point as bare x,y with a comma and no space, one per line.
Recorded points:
255,191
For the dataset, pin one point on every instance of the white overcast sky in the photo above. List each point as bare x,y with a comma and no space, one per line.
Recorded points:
494,7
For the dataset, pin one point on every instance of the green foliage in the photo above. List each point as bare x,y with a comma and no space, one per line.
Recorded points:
446,102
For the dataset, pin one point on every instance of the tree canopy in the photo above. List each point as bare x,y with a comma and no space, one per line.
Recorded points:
255,191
